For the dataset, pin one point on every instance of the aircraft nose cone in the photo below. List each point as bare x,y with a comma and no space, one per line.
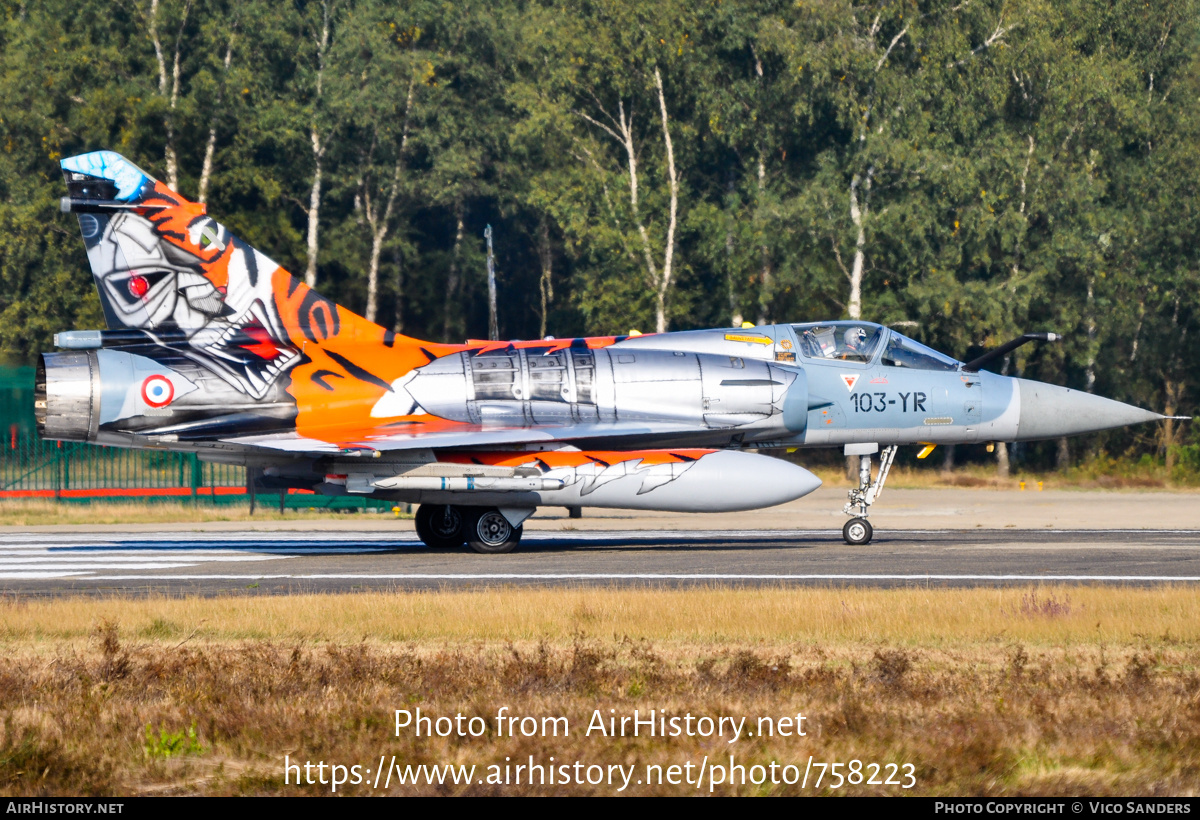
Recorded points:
1049,411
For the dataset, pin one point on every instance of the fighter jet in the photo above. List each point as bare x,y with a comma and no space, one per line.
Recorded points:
212,348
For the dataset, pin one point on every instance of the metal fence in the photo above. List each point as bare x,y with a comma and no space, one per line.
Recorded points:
31,467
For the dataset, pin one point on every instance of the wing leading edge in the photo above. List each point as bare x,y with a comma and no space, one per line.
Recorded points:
593,433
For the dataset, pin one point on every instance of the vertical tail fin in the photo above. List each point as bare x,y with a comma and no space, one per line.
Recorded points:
167,270
159,261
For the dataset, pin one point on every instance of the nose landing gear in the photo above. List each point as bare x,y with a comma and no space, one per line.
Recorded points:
858,530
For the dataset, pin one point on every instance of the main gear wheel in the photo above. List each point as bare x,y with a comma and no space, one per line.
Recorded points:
441,526
490,533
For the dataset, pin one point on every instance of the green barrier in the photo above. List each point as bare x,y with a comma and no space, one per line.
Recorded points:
16,400
31,467
263,501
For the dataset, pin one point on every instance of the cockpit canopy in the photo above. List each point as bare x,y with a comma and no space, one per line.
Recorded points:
842,341
861,341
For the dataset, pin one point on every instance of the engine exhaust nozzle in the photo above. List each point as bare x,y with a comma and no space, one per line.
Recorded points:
64,389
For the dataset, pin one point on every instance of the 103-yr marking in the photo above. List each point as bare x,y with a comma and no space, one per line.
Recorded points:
882,400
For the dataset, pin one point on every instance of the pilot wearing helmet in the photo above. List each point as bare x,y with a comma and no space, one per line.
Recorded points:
855,343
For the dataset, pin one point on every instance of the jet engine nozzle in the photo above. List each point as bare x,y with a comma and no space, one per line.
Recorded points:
64,403
105,395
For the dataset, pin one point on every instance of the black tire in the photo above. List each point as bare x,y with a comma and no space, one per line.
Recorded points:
440,526
857,532
489,533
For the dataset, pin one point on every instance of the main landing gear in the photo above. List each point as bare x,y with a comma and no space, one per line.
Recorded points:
484,529
440,526
858,530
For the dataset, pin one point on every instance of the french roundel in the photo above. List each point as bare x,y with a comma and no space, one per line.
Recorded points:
157,391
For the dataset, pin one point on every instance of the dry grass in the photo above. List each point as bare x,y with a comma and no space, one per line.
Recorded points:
998,692
39,512
913,617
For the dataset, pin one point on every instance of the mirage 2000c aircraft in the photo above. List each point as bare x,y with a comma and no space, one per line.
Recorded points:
213,348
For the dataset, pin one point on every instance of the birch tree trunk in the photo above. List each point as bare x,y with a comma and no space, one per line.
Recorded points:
211,146
1173,389
735,315
948,459
1137,331
379,230
669,252
1172,393
859,208
659,281
1002,465
493,315
766,286
169,89
1090,369
765,292
381,222
312,243
1016,265
398,320
626,138
546,283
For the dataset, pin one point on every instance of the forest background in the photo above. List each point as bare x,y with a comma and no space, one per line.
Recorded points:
965,171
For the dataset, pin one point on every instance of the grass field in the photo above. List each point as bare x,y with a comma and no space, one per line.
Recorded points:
1047,690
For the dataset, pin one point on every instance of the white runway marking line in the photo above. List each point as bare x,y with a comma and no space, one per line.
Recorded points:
261,553
130,557
36,556
38,576
28,557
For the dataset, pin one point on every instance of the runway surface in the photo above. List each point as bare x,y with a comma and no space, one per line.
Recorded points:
318,561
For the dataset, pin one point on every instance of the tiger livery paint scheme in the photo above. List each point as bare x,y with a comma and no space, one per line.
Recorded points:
163,265
213,348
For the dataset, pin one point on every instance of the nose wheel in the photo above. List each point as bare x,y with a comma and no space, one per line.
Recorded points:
858,530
